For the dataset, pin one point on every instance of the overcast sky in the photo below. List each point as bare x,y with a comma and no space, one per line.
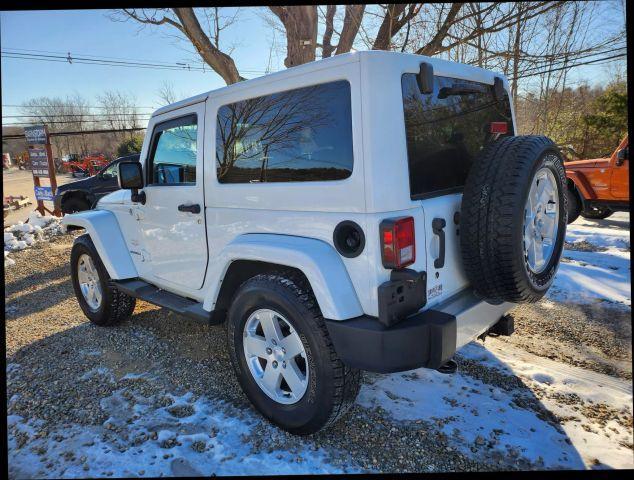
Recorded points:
92,33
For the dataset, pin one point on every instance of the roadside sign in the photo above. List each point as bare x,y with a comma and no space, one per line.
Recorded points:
44,193
42,165
39,162
36,135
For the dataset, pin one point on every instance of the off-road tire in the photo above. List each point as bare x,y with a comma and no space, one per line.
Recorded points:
115,306
596,213
574,204
332,386
492,219
75,204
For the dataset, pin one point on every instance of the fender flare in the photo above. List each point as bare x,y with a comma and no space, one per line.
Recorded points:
103,228
318,260
582,185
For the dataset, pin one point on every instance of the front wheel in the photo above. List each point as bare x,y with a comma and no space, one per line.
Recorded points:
283,357
574,205
73,205
596,213
100,301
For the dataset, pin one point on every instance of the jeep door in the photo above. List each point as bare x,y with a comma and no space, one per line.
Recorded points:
620,172
172,221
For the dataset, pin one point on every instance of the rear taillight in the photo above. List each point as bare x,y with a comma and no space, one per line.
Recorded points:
398,246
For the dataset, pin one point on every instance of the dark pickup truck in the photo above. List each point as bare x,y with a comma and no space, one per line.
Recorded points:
84,194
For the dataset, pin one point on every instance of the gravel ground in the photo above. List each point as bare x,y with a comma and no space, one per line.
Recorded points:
67,367
597,337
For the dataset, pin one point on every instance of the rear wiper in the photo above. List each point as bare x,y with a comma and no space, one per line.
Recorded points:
458,89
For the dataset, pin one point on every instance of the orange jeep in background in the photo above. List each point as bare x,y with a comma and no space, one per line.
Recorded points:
599,187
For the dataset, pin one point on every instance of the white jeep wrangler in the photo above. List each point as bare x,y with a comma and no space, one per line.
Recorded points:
372,211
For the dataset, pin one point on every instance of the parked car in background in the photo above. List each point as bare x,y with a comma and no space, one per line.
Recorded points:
83,194
599,187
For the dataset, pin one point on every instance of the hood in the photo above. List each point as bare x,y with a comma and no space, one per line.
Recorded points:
589,163
81,184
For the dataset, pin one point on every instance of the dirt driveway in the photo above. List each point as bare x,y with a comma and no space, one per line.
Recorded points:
156,396
20,182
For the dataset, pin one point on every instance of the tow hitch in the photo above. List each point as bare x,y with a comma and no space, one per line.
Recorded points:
450,366
505,327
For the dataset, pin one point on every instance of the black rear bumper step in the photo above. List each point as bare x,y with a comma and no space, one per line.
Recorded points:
426,339
148,292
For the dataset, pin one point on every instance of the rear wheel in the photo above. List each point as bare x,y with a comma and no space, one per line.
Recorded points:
514,211
596,213
283,357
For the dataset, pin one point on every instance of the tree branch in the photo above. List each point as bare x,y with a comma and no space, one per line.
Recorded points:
351,24
326,45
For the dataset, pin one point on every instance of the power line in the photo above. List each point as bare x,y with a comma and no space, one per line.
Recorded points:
605,59
61,105
123,114
69,122
96,60
565,60
81,132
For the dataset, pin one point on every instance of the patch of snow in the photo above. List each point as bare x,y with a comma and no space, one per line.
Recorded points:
8,261
26,234
96,372
611,232
591,277
141,439
478,418
12,368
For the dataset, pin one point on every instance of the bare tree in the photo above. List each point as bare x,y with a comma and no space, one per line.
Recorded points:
120,112
166,93
60,114
518,38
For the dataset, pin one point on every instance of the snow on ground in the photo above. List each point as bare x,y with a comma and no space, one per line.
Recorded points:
595,276
478,417
195,437
614,231
25,234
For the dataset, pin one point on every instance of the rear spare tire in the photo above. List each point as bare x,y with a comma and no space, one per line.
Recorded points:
513,220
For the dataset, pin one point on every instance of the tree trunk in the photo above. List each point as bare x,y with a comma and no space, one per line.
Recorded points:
384,36
351,24
326,45
516,54
300,23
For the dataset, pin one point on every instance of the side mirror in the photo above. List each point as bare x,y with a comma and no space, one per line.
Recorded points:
621,156
131,178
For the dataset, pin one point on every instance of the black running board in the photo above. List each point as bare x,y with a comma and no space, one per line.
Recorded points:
177,304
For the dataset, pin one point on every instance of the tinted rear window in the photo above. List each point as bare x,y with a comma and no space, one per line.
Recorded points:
298,135
446,130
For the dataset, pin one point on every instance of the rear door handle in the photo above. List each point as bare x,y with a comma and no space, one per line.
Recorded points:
189,208
437,226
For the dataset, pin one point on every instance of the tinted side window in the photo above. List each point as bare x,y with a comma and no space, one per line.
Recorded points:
299,135
447,129
173,156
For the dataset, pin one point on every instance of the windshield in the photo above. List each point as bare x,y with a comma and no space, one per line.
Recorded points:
447,129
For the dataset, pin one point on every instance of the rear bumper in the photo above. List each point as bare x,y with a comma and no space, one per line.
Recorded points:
425,339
